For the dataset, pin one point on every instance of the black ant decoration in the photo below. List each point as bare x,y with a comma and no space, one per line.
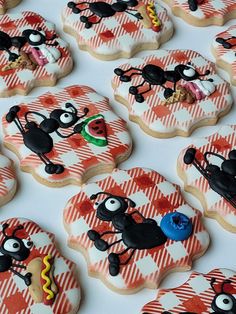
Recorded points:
193,4
36,40
136,236
221,179
153,75
37,137
102,9
13,248
227,43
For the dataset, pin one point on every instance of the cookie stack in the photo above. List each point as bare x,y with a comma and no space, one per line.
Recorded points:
133,224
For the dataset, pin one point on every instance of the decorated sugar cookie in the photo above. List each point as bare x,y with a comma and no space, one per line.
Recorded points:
207,168
171,92
31,54
224,50
34,276
7,4
113,29
211,293
67,136
203,12
134,227
7,180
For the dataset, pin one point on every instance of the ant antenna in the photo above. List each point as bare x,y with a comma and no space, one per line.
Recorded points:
224,283
206,73
131,203
20,227
213,280
4,227
213,154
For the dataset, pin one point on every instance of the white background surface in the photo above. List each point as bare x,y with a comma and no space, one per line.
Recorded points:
45,205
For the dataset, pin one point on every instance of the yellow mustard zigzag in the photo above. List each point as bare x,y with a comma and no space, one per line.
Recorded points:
152,14
46,278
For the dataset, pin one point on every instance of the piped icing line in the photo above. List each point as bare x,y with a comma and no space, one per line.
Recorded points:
151,10
46,269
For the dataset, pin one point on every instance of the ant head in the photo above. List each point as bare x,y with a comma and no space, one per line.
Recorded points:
15,247
111,205
67,118
223,302
35,37
188,73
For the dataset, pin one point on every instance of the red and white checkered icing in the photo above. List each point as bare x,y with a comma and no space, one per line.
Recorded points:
195,295
125,31
75,153
162,118
223,54
221,142
7,178
14,294
25,79
154,197
208,11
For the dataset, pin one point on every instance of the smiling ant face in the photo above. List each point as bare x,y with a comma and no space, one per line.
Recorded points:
188,73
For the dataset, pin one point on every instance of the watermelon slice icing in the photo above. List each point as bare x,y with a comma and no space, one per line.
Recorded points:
94,130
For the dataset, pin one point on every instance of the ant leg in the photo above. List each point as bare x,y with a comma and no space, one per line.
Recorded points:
19,265
26,277
127,78
189,158
139,96
13,117
134,89
85,19
100,244
193,5
50,167
224,42
137,15
11,55
75,6
114,260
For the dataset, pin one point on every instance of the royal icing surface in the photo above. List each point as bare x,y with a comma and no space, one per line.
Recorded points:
71,132
30,52
24,245
219,198
6,4
210,293
118,32
148,86
224,49
7,179
116,221
204,11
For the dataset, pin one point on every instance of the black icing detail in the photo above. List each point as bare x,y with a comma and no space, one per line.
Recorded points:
154,75
37,137
193,4
13,248
102,9
221,179
135,235
223,302
227,43
7,42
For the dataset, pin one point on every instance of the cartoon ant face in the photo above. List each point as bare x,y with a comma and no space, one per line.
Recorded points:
221,179
102,9
14,248
153,75
37,37
223,302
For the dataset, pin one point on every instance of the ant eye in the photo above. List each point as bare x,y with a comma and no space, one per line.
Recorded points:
11,245
96,204
224,302
35,38
112,204
189,72
66,117
28,244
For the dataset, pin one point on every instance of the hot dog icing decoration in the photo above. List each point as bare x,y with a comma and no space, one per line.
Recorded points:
7,180
31,53
171,92
201,293
207,168
134,227
203,12
224,50
67,136
7,4
30,260
112,29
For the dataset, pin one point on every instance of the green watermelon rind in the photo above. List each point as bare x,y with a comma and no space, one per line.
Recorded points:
91,138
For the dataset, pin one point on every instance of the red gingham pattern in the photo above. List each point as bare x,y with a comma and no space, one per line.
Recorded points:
154,197
24,79
226,55
161,118
14,294
206,12
221,142
76,154
195,295
119,33
7,178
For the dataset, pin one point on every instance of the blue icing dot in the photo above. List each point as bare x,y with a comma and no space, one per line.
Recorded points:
176,226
